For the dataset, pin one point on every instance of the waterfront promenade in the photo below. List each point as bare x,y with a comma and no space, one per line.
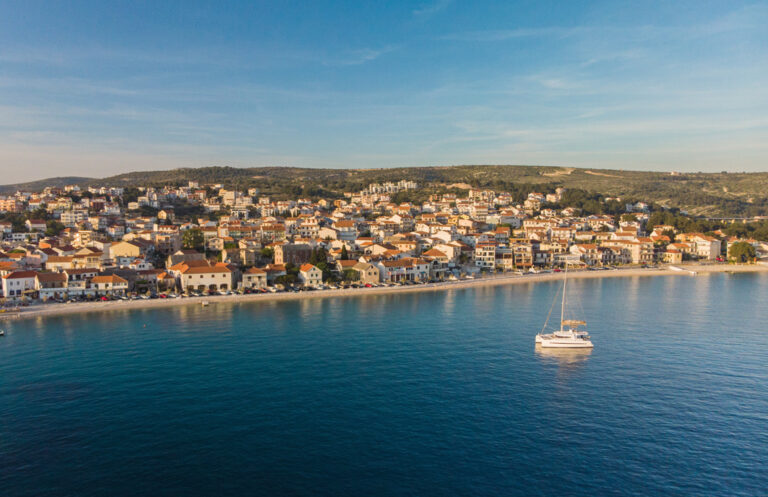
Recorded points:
55,309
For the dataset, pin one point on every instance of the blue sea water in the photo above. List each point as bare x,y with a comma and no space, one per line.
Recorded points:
438,393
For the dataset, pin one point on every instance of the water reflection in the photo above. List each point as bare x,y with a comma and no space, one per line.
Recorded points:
566,359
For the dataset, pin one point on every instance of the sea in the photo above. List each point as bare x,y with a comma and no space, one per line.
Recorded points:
440,393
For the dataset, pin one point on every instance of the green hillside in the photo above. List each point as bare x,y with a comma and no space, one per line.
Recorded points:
711,194
36,186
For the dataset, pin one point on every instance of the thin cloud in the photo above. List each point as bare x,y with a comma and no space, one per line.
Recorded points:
509,34
357,57
746,18
432,8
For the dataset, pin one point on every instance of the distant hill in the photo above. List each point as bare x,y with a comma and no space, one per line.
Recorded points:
728,194
36,186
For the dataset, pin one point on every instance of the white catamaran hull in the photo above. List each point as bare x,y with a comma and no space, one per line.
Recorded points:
565,343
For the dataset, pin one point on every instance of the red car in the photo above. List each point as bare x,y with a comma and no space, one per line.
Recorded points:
104,299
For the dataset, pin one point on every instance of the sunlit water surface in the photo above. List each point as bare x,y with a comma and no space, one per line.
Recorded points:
440,393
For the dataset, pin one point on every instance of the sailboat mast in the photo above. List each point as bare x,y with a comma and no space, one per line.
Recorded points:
562,308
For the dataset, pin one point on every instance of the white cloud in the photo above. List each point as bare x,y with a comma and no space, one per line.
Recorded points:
357,57
431,8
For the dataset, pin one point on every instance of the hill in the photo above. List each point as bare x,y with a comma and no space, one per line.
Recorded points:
711,194
36,186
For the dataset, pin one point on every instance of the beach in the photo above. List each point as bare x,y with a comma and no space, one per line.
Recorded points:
687,270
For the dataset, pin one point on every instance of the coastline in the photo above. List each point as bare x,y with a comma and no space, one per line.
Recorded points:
49,310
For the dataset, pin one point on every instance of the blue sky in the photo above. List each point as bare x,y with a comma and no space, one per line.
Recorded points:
97,88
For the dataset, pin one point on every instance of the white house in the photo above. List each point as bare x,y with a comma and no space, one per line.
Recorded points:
707,247
347,230
205,277
255,278
310,275
18,283
109,285
51,285
35,224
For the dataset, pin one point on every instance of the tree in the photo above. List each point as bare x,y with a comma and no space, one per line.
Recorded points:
742,252
323,266
267,253
318,255
286,279
53,228
628,218
344,253
40,213
351,275
193,239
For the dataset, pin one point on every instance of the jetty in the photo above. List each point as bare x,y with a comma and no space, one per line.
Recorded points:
689,271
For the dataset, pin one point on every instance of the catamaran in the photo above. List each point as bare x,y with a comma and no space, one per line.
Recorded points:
570,335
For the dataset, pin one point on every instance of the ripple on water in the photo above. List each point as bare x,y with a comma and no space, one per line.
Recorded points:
441,393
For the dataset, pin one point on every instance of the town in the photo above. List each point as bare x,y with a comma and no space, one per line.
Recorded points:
94,243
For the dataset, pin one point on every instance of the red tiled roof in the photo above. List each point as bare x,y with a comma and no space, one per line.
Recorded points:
20,274
112,278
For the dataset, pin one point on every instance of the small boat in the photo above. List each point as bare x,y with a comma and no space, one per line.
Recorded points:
204,303
569,336
2,333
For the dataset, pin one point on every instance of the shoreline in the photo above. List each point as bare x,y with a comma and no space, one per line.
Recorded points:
50,310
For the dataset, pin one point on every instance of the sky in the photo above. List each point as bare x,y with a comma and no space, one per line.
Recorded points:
99,88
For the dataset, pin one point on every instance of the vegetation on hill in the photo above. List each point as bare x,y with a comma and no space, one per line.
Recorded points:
36,186
700,194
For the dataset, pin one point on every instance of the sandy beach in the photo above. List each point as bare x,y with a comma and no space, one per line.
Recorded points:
687,270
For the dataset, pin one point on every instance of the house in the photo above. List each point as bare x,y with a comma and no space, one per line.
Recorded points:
7,267
19,283
367,273
410,268
255,278
613,255
184,255
110,285
346,230
437,255
274,271
392,271
130,249
77,281
51,285
417,269
588,253
194,276
706,247
310,275
672,256
35,224
345,265
143,279
166,281
485,255
309,228
505,258
293,253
